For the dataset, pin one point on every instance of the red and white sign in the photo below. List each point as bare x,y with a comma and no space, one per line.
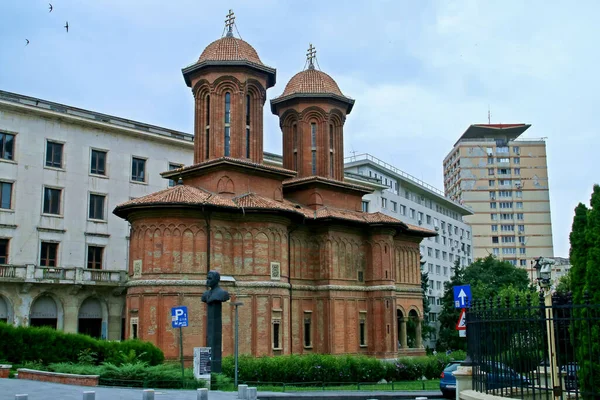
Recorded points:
462,321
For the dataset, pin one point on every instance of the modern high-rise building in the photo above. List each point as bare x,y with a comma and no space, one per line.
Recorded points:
504,179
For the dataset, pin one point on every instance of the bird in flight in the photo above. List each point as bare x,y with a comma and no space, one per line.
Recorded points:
51,8
67,26
27,40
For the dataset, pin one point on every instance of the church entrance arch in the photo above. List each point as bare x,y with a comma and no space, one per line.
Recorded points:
90,318
44,312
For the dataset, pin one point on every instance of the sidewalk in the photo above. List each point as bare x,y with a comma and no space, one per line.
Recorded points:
56,391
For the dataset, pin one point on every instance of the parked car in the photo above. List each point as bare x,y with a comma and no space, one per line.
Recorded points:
448,381
570,373
499,375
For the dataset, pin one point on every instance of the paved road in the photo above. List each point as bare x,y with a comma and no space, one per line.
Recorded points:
56,391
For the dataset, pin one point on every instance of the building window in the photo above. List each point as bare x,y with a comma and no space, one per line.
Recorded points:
493,204
313,143
520,216
97,206
54,154
383,202
494,239
172,166
394,206
412,213
7,146
437,253
438,269
508,239
517,160
519,194
429,252
6,195
490,171
521,228
248,126
492,195
516,150
276,334
491,183
428,219
517,171
365,206
295,142
3,251
95,257
227,124
133,327
307,330
207,127
48,254
362,330
496,251
490,160
494,217
523,263
402,210
519,204
506,204
98,164
138,169
52,201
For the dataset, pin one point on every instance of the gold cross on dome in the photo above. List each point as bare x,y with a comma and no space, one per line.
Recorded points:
230,20
312,53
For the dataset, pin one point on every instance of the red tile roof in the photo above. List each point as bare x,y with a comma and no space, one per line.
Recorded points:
228,160
230,48
320,179
311,81
191,196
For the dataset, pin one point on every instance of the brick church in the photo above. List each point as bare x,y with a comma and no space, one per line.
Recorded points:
314,272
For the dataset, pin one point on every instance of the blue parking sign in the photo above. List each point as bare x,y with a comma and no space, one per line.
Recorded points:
462,296
179,317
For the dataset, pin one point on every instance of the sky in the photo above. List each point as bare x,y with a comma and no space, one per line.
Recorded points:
421,71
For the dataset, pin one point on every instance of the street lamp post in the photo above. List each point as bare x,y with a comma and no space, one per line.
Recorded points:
543,269
235,348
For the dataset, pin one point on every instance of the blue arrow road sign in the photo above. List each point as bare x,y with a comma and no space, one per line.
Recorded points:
462,296
179,317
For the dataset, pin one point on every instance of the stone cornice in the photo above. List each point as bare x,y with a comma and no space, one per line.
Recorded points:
274,285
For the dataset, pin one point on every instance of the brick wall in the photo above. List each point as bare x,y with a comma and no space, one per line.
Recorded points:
68,379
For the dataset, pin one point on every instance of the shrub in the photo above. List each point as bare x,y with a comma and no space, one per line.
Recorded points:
46,346
328,368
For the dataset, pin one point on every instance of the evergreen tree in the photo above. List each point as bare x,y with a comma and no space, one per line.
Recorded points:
578,252
448,335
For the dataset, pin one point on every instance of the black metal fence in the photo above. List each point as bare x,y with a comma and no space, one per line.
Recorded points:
535,347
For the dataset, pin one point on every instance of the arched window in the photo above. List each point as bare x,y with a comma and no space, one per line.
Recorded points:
331,150
207,128
313,141
227,124
295,143
248,126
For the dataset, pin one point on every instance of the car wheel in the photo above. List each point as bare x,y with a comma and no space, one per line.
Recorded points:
448,394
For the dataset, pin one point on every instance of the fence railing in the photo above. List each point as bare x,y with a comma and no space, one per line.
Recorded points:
67,275
529,348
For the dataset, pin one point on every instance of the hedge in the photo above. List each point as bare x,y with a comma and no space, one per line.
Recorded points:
46,345
342,369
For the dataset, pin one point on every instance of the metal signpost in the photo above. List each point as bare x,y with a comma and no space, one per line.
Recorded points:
235,351
179,319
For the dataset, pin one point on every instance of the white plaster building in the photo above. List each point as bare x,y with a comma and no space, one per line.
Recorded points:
63,254
415,202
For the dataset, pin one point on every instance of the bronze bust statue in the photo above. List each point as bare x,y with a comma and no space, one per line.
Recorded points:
216,293
213,298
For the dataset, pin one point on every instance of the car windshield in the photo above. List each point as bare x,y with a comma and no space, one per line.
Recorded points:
451,367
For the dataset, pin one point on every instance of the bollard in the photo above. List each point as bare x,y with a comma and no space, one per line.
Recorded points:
202,394
243,392
21,397
89,395
251,393
148,394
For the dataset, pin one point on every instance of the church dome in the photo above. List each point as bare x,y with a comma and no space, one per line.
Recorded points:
312,81
230,48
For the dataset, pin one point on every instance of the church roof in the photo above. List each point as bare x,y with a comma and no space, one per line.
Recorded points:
311,81
173,174
229,48
293,182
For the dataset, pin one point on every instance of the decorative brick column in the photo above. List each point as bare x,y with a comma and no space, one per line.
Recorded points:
5,370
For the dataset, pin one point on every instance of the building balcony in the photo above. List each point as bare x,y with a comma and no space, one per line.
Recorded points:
61,275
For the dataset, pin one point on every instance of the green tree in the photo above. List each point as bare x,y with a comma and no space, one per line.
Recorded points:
488,278
448,335
426,328
578,252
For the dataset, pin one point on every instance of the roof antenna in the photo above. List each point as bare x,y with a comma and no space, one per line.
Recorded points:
489,116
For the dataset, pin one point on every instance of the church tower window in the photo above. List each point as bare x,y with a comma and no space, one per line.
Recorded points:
313,140
227,124
295,142
207,128
331,150
247,126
